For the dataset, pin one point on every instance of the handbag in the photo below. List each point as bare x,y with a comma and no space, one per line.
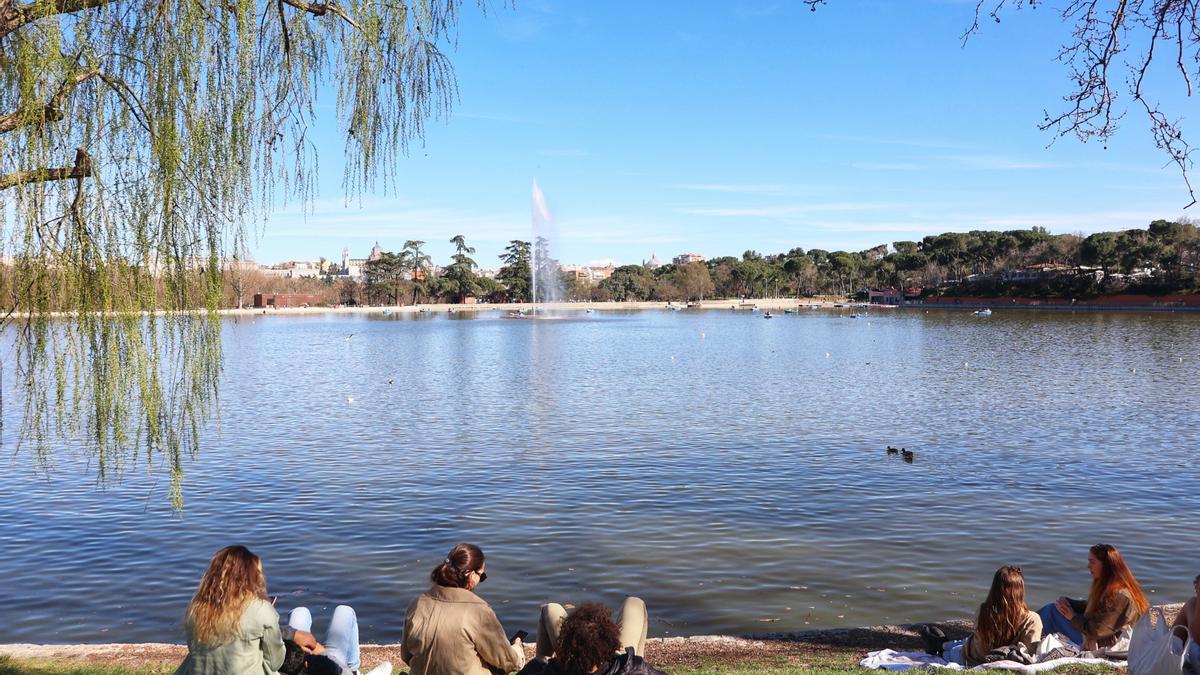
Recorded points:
1156,648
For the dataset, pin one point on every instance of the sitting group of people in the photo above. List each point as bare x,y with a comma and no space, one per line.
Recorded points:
1114,603
233,628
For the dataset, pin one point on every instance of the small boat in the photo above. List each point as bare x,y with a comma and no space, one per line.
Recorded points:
425,310
982,312
768,316
754,308
675,308
858,316
588,311
791,311
694,305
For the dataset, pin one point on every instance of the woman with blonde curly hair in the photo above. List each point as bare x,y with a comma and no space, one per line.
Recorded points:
233,629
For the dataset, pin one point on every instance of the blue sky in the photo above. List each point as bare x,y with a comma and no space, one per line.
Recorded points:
720,126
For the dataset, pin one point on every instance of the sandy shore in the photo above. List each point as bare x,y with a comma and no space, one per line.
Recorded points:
772,304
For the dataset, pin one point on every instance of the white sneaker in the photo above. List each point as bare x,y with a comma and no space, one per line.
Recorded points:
384,668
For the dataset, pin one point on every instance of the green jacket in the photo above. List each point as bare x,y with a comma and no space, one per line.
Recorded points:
257,649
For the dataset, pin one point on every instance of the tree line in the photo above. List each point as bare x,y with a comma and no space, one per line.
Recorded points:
1161,258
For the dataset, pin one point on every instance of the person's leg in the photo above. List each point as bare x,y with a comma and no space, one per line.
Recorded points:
1054,622
549,623
634,621
301,619
342,640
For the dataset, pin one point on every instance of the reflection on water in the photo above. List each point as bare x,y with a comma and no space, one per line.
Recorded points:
729,470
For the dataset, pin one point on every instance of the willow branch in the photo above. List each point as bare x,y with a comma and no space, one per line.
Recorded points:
13,16
323,8
81,169
52,111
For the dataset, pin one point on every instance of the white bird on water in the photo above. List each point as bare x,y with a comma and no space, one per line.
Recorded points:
349,336
350,400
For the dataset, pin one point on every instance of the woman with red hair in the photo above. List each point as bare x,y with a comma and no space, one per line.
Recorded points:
1115,602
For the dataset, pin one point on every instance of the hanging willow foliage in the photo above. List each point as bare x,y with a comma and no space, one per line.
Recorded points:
137,140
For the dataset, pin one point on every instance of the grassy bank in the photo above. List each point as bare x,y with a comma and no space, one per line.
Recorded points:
830,652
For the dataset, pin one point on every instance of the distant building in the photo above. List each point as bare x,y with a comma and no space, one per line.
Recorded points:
279,300
885,296
294,269
589,274
653,263
685,258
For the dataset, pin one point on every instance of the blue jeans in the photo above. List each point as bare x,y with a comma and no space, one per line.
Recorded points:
341,641
1054,622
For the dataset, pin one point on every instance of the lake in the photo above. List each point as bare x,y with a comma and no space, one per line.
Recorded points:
727,469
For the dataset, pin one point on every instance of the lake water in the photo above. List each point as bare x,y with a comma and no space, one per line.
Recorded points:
729,470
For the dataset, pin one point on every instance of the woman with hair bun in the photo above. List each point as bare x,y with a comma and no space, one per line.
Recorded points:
1114,603
448,630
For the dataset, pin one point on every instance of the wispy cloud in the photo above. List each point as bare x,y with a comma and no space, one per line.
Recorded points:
905,142
788,211
762,189
887,166
980,162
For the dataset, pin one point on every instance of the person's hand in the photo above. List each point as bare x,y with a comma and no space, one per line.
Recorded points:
518,648
1065,608
308,642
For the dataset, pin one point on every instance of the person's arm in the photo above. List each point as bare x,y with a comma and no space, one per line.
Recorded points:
492,645
1031,631
1181,619
406,653
1102,622
271,643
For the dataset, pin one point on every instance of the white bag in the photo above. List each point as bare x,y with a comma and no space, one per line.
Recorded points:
1157,649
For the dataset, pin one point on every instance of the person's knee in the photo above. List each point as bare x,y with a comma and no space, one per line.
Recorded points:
300,619
344,610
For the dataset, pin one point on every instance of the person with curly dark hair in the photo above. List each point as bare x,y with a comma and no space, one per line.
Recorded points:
589,641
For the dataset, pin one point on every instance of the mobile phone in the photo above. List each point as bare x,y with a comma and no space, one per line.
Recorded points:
274,599
519,635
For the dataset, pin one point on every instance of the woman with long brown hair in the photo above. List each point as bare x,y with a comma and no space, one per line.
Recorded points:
233,629
448,630
1004,620
1114,603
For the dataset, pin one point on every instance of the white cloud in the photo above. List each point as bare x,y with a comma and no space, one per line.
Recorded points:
789,211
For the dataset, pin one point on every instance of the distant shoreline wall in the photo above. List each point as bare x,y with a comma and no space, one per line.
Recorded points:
1128,302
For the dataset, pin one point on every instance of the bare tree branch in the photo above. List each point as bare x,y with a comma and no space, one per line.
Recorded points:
323,8
52,111
13,16
82,169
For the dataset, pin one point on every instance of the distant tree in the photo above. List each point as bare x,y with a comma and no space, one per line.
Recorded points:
515,276
417,264
629,283
385,276
694,281
459,277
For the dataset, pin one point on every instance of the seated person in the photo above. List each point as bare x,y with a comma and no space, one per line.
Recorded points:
1004,620
588,641
1114,603
449,630
1189,618
233,629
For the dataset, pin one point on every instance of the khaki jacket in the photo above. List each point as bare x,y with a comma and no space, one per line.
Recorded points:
1101,625
452,631
256,650
1029,633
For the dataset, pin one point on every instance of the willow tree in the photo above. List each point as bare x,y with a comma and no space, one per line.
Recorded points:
139,141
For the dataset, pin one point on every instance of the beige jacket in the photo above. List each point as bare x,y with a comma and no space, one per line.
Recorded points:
1029,633
452,631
